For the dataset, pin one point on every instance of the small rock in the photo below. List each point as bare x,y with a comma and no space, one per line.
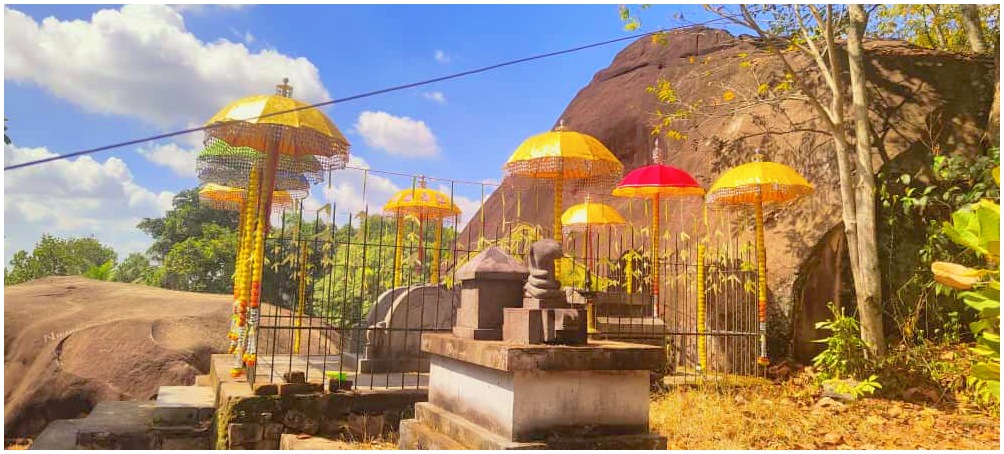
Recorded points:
833,438
740,399
829,390
296,376
828,402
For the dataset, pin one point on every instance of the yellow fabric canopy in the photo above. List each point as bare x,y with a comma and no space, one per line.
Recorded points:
590,214
775,183
306,132
423,202
562,155
232,199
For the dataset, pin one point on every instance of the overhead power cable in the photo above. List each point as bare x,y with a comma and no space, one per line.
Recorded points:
362,95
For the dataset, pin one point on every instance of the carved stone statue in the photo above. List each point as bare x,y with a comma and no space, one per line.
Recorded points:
542,287
546,316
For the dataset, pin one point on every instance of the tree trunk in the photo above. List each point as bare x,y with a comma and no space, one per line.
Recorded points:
994,122
869,290
974,33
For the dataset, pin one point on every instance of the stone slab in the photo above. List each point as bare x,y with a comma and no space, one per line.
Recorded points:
477,333
413,435
522,326
531,405
436,428
598,355
59,434
294,442
119,425
383,365
202,380
183,405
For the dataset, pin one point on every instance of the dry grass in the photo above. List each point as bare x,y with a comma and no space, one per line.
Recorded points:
784,416
19,444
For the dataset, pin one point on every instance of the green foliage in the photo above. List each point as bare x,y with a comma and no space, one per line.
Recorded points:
977,228
136,269
203,263
54,256
935,26
844,355
102,272
186,219
195,244
858,389
913,208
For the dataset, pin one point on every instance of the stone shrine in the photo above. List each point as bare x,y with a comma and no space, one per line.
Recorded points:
549,389
546,316
491,281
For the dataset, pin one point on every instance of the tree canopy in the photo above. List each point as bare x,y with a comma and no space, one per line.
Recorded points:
54,256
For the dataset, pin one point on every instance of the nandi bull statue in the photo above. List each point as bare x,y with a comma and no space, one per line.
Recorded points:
546,316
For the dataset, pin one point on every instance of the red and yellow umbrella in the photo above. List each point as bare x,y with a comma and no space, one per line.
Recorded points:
426,205
757,183
656,181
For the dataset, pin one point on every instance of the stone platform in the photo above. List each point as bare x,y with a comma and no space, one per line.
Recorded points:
271,370
495,395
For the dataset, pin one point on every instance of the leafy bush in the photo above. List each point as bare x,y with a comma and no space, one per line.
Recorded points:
977,228
844,355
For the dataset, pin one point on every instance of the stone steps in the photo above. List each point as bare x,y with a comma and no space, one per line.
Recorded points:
180,418
59,434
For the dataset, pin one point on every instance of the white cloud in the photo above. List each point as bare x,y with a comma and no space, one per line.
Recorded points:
347,193
436,96
400,136
141,61
197,8
172,156
441,56
75,197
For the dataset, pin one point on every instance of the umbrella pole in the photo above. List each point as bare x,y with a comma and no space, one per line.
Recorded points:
559,188
655,256
421,246
265,192
436,253
398,239
702,341
301,294
761,258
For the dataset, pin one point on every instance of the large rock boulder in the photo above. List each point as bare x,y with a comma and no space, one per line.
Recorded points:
71,342
922,100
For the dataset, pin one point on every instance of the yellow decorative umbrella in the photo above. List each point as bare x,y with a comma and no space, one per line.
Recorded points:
582,217
262,123
757,183
233,199
558,156
425,204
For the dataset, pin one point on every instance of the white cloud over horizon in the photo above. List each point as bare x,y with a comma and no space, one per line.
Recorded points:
398,136
141,61
441,56
75,197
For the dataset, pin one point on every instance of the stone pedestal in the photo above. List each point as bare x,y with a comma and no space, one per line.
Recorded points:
491,281
496,395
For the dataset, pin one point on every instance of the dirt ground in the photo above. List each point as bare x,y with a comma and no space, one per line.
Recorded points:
793,416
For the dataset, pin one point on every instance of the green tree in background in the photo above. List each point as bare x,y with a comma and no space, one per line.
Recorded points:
54,256
195,246
136,269
102,272
186,219
204,263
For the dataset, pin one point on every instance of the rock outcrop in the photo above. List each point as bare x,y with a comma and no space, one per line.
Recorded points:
922,100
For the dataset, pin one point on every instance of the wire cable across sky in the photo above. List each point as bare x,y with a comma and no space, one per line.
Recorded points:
363,95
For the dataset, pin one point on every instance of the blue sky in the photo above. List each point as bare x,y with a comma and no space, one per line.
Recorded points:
79,76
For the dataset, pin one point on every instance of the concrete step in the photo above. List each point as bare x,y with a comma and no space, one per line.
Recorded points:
119,425
59,434
301,442
183,406
203,380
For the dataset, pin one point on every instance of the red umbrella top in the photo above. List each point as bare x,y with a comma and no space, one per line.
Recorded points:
657,179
